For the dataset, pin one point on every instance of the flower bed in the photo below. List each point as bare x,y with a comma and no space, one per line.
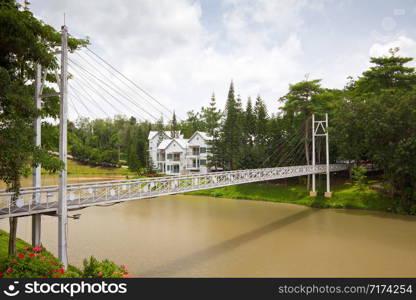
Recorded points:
36,262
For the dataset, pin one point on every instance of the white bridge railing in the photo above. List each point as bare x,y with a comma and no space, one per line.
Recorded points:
100,193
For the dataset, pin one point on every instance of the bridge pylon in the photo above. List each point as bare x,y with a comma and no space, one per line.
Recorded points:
320,128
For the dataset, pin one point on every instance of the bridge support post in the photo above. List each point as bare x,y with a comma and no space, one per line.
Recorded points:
313,193
328,193
320,128
62,192
36,178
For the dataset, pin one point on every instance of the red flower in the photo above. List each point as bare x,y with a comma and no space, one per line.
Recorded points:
37,249
9,270
126,276
20,255
61,270
31,255
52,263
100,273
1,274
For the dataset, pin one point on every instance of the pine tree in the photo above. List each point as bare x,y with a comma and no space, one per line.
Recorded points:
231,131
249,123
260,112
212,117
174,129
160,130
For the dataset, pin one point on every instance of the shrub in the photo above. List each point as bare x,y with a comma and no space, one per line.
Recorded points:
104,269
32,262
359,178
36,262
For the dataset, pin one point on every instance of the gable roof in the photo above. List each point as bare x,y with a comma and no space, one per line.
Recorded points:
204,135
154,133
183,143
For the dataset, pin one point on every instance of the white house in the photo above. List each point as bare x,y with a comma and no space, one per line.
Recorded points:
155,138
179,155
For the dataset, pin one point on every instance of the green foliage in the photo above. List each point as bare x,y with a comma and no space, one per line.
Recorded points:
359,178
24,41
104,269
377,122
231,131
32,262
37,262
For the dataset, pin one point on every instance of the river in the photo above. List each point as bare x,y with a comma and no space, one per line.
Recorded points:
198,236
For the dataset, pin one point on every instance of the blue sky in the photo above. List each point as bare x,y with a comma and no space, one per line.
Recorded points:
182,51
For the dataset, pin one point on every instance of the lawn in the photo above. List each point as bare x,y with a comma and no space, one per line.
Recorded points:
76,168
344,196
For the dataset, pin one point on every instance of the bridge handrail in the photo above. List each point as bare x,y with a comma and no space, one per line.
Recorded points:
75,186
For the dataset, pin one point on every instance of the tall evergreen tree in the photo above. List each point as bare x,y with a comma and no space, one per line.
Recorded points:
249,123
174,129
260,112
212,117
231,131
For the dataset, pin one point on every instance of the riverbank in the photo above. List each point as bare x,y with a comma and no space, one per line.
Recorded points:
344,195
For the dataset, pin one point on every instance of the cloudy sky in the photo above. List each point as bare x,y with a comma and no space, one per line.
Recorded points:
182,51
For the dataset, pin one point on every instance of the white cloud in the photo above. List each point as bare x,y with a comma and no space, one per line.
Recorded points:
165,48
407,47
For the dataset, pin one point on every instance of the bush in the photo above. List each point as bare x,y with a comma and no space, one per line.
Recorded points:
359,178
36,262
104,269
32,262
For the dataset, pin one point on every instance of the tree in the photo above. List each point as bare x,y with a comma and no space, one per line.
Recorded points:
378,115
174,129
231,131
300,103
249,123
260,112
24,42
212,116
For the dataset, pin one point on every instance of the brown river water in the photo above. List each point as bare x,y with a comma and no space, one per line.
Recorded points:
198,236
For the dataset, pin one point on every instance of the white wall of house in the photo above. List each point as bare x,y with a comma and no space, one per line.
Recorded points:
153,143
180,156
197,153
175,154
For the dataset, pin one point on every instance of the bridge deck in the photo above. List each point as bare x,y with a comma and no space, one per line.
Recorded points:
109,192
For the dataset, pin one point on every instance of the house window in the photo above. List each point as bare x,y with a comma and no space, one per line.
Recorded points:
203,162
169,156
168,168
195,151
203,149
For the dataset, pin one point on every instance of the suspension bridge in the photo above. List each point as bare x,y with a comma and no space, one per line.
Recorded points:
109,192
59,199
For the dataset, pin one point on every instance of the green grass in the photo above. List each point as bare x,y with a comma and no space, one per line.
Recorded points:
76,168
343,196
4,244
